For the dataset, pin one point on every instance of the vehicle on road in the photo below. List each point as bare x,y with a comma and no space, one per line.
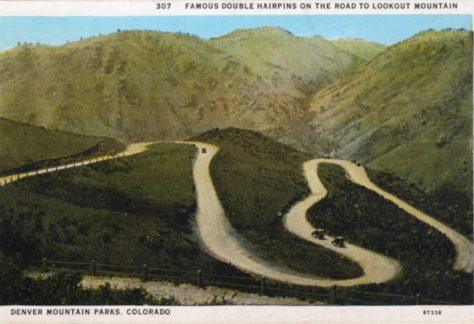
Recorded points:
339,242
318,233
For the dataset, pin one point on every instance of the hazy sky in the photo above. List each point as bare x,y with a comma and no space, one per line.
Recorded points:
386,29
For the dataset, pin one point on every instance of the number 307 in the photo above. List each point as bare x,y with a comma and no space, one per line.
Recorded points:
163,5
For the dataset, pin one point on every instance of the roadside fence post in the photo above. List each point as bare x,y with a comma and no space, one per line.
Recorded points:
199,278
262,285
43,265
333,294
145,272
93,268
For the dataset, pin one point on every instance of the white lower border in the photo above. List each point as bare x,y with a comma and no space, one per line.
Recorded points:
236,314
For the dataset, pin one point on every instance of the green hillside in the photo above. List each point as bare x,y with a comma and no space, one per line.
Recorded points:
129,211
408,112
365,218
25,147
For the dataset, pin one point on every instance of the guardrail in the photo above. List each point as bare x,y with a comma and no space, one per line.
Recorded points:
261,285
10,178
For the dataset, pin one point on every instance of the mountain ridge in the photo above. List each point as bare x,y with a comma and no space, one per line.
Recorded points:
126,83
414,102
356,100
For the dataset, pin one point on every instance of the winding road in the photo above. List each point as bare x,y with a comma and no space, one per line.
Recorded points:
223,242
377,267
358,175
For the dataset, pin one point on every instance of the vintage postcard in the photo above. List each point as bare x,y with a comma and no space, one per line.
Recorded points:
236,161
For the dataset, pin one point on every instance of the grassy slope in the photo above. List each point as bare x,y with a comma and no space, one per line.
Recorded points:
131,210
257,179
447,204
22,144
365,218
408,112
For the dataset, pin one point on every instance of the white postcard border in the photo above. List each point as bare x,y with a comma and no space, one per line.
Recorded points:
233,314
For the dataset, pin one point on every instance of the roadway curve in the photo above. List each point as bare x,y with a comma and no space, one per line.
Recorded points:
297,223
377,267
219,237
222,241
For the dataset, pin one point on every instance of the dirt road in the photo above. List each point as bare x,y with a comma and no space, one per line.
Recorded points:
223,242
216,233
188,294
377,267
130,150
358,175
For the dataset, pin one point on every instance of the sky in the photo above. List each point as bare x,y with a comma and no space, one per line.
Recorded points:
385,29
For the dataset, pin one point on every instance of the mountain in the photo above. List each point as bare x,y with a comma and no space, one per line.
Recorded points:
362,49
285,60
142,85
408,112
405,109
